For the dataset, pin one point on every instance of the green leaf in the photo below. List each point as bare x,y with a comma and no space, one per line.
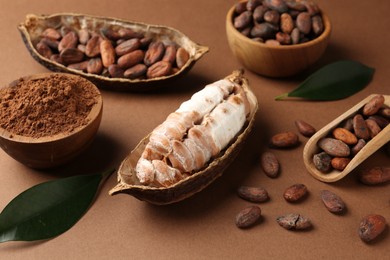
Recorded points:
49,209
334,81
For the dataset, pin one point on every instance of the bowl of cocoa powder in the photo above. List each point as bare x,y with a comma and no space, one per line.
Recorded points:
277,38
47,119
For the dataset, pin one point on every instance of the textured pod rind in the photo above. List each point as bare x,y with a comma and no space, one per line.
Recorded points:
34,25
197,181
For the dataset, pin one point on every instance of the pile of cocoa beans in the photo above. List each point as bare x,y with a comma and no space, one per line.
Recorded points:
279,22
122,53
347,139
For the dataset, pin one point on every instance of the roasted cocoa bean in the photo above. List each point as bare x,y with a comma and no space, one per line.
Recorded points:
295,36
285,140
311,7
322,162
295,192
127,46
182,57
253,194
79,66
52,34
372,107
130,59
95,66
317,25
360,128
373,127
154,53
295,5
136,71
170,54
304,128
258,13
371,226
303,22
252,4
278,5
115,71
344,135
243,20
286,23
334,147
272,16
294,221
240,7
69,41
358,146
283,38
339,163
44,50
332,202
71,55
375,175
264,30
248,217
159,69
380,120
92,48
270,164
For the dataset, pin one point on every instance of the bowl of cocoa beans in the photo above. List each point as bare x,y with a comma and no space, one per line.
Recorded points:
277,38
47,119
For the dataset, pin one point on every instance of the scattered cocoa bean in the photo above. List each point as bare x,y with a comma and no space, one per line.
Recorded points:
295,192
304,128
334,147
284,140
270,164
332,202
253,194
375,175
371,226
294,221
248,217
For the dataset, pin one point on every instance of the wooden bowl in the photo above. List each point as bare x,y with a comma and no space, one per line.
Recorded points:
276,61
51,151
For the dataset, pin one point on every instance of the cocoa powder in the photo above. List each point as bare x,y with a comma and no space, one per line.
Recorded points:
46,106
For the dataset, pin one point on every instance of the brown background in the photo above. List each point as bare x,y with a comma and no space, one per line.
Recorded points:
202,227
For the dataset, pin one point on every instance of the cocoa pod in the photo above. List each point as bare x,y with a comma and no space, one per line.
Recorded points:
373,105
374,176
304,128
295,192
253,194
71,55
159,69
371,226
107,53
136,71
154,53
182,57
344,135
322,161
69,41
270,164
248,217
303,22
127,46
334,147
92,48
95,66
294,221
360,127
284,140
130,59
332,202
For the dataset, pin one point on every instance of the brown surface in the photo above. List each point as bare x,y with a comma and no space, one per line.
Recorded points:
202,227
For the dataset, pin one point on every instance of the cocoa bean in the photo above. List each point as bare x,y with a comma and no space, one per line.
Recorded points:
334,147
272,16
52,34
286,23
317,25
95,66
295,192
358,146
53,44
270,164
127,46
344,135
182,57
295,5
304,128
303,22
272,42
240,7
243,20
285,140
56,58
170,54
278,5
332,202
92,48
44,50
130,59
258,13
322,161
294,221
380,120
159,69
253,194
252,4
71,55
115,71
79,66
373,105
136,71
385,111
347,124
84,36
127,33
69,41
154,53
264,30
360,127
373,127
107,53
371,226
81,47
339,163
111,33
145,41
311,7
248,217
375,175
295,36
283,38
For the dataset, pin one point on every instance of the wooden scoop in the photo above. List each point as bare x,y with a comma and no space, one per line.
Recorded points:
311,147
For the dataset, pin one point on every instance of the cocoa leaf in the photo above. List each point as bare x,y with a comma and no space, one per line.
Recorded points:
49,209
334,81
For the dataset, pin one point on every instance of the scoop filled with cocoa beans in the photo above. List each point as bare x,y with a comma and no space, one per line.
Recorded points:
339,147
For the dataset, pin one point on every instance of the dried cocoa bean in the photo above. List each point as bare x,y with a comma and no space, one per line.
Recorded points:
145,41
380,120
53,44
373,127
285,140
272,42
84,36
375,175
258,13
107,53
92,48
159,69
295,36
294,221
283,38
371,226
170,54
51,33
243,20
295,192
253,194
322,161
317,25
82,48
154,53
115,71
72,55
56,58
44,50
385,111
332,202
347,124
311,7
127,33
334,147
252,4
69,41
264,30
278,5
372,107
286,23
182,57
303,22
240,7
270,164
339,163
295,5
344,135
272,16
95,66
127,46
130,59
358,146
248,217
79,66
136,71
304,128
360,127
